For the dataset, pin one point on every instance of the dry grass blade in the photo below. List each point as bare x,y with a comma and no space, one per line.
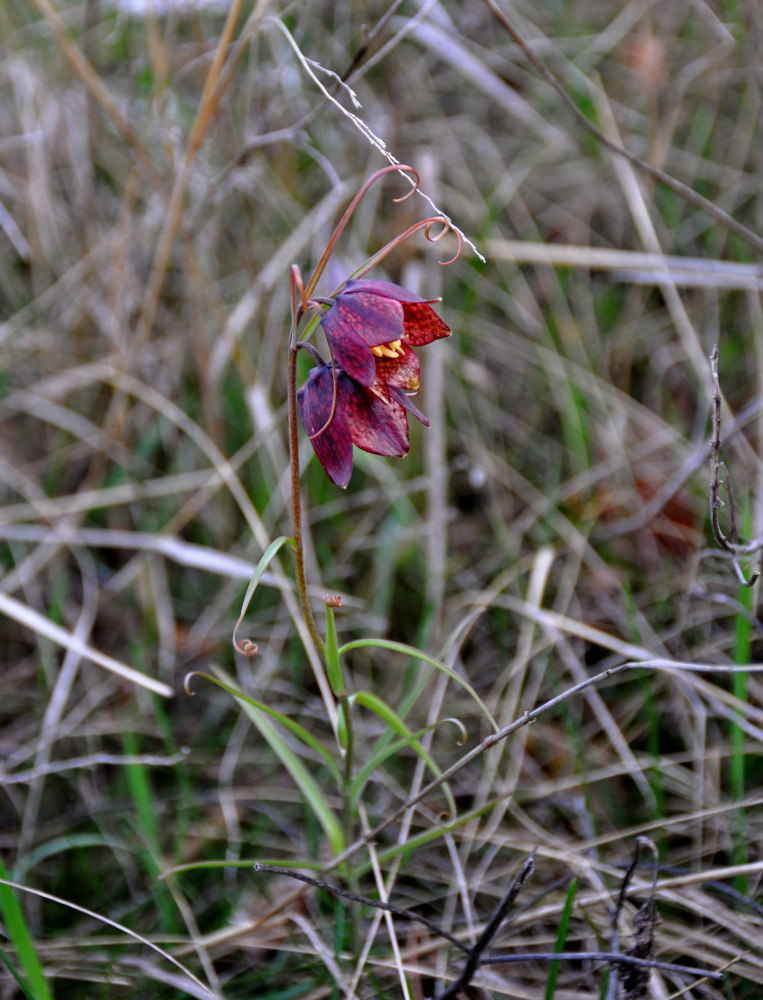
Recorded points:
33,620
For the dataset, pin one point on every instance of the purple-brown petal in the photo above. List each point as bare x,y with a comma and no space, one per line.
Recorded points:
331,443
350,351
384,289
409,405
402,372
376,319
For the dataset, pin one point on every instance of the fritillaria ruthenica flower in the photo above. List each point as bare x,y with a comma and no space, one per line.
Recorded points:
362,397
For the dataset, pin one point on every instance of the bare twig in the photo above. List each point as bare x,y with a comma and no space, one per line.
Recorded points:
634,977
637,961
474,958
378,904
602,956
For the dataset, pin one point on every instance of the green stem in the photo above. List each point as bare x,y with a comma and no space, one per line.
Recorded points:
348,817
349,736
296,505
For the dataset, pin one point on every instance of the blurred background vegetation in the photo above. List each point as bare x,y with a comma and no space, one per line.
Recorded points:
161,167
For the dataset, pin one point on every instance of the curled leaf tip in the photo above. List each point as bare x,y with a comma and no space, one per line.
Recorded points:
447,227
187,683
333,600
403,168
461,728
247,647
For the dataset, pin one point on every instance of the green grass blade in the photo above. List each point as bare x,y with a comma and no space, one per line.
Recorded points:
18,932
333,663
314,795
401,647
311,790
393,720
141,791
387,750
412,844
294,727
561,939
6,960
739,682
262,565
69,842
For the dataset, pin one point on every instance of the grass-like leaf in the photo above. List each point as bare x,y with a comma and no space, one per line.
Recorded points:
401,647
377,705
315,797
16,928
294,727
561,939
267,556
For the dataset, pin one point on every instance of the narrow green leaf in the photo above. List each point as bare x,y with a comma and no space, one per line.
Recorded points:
393,720
191,866
401,647
294,727
740,682
412,845
333,664
262,565
561,939
18,932
314,795
6,960
69,842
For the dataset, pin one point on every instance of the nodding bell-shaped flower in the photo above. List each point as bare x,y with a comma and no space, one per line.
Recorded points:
372,328
377,320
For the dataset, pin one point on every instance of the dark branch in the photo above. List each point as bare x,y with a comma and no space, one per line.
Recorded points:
335,890
474,958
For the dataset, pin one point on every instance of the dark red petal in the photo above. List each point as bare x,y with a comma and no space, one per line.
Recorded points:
333,446
402,372
378,427
376,319
409,405
422,324
350,351
384,288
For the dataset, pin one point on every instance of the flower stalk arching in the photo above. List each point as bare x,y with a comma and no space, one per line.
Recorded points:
321,265
426,225
390,389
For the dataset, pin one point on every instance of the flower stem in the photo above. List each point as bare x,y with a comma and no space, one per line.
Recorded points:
296,505
348,814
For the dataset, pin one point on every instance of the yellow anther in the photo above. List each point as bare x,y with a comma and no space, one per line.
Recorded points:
390,350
